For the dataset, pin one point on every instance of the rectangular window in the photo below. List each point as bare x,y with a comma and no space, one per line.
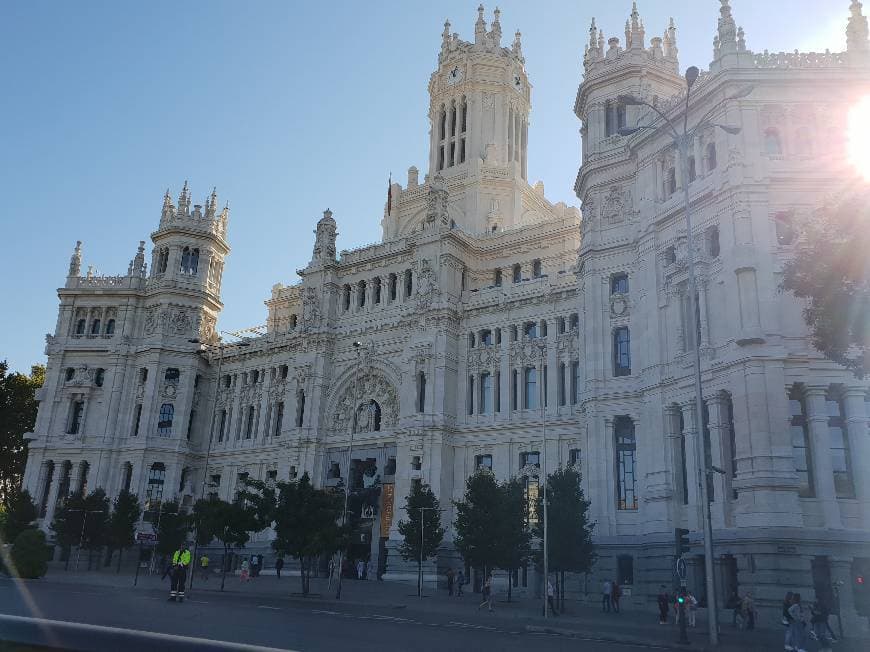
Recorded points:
514,390
496,400
840,458
619,284
575,382
421,392
300,408
164,421
485,392
800,445
531,458
621,352
190,423
137,418
708,455
471,395
77,409
223,425
530,385
561,384
249,426
279,419
684,470
575,458
483,462
626,447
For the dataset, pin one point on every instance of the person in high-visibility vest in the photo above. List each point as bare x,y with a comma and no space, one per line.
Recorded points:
180,564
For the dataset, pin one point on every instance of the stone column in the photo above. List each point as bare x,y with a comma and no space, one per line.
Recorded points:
856,405
607,480
52,495
694,450
718,427
823,474
703,314
698,154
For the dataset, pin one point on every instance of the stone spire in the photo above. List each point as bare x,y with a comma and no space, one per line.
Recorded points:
184,201
727,29
517,47
168,211
75,261
137,265
495,34
324,239
480,27
211,204
634,31
856,31
670,41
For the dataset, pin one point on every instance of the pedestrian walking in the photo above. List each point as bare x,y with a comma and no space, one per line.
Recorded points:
203,567
180,564
487,594
820,629
255,566
460,580
786,619
664,601
551,591
606,590
747,612
450,579
245,574
615,595
360,569
279,565
797,626
692,604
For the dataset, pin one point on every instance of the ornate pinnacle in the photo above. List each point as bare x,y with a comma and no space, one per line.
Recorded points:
75,261
856,29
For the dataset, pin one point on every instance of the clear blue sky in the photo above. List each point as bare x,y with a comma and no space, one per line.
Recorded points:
287,107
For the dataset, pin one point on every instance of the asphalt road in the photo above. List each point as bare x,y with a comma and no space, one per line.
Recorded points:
279,622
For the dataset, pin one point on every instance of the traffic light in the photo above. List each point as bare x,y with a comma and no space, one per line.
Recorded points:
861,589
681,541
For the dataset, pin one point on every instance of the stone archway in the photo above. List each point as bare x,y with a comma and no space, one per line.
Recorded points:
370,403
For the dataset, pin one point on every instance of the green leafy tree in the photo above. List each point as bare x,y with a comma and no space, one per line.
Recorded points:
122,525
67,525
306,524
172,527
96,519
17,416
830,271
229,523
424,511
30,554
476,519
510,530
19,514
569,535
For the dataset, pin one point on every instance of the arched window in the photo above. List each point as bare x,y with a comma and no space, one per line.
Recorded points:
361,294
95,327
346,297
530,385
376,289
80,327
517,273
375,413
293,321
185,260
772,142
162,261
392,282
249,425
711,157
99,377
536,268
164,423
193,266
409,284
300,408
670,182
110,327
497,278
693,173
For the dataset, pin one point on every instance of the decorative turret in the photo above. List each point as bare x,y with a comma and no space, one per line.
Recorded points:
495,34
634,30
184,202
517,47
75,261
480,28
670,41
727,31
857,34
324,240
661,51
199,219
137,265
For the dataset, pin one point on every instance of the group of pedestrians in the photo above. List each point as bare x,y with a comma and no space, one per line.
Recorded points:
455,582
802,623
666,602
611,592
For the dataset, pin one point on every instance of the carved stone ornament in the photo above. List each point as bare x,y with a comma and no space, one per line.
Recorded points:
372,386
618,306
153,318
170,390
427,289
180,323
83,376
613,206
483,358
310,309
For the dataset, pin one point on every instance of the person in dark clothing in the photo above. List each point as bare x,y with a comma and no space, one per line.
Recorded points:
460,580
450,580
664,602
279,565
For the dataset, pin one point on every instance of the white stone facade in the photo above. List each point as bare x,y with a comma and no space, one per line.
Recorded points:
476,292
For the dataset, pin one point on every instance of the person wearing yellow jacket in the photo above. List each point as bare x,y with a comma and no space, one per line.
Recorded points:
180,564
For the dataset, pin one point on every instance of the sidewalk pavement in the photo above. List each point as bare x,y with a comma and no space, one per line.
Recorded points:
581,620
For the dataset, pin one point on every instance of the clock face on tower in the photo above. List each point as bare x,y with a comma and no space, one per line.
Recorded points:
454,76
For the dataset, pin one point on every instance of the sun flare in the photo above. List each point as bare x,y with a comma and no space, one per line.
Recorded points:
859,137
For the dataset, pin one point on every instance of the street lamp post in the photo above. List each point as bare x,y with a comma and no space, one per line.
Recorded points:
542,346
356,346
220,348
85,513
422,539
682,141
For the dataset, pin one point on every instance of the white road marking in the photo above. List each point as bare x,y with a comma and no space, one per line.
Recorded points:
265,606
